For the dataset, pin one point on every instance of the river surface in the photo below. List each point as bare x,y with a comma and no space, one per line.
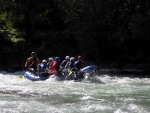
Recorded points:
102,94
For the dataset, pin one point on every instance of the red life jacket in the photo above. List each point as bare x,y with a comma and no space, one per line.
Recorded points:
53,68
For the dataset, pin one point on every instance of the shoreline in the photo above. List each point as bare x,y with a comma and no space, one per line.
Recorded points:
115,68
109,71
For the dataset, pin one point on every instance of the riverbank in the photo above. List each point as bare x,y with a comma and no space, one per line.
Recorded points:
127,69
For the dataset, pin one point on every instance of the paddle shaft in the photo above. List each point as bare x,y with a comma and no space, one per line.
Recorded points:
31,64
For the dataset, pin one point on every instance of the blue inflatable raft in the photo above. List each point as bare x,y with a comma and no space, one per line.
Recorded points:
35,77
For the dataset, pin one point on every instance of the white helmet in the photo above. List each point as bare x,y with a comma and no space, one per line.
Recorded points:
67,57
72,59
51,59
44,61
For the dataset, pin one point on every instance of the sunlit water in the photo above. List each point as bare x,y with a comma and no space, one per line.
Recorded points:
103,94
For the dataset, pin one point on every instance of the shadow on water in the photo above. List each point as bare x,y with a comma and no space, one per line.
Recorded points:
122,73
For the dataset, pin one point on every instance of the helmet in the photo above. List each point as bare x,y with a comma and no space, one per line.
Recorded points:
57,59
51,59
67,57
79,57
33,53
44,61
72,59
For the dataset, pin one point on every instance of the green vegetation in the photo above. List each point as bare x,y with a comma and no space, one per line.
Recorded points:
100,30
15,40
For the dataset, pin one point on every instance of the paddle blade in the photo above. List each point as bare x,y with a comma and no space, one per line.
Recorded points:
70,73
20,76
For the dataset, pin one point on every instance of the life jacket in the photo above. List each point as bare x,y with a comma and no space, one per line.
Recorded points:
48,64
67,64
53,67
63,63
79,64
71,65
42,67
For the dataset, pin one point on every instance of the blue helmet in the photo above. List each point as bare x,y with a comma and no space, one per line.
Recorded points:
57,59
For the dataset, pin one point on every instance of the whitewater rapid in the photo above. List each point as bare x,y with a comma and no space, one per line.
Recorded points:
102,94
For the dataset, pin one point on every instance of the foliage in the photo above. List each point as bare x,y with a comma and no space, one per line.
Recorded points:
96,29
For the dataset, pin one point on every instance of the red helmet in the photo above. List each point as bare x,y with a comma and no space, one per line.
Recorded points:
79,57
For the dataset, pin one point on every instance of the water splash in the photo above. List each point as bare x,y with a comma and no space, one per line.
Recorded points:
102,93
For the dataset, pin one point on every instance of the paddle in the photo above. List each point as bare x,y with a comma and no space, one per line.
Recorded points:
31,64
70,73
72,70
20,76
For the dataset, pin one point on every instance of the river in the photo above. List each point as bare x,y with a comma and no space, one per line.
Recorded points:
102,94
